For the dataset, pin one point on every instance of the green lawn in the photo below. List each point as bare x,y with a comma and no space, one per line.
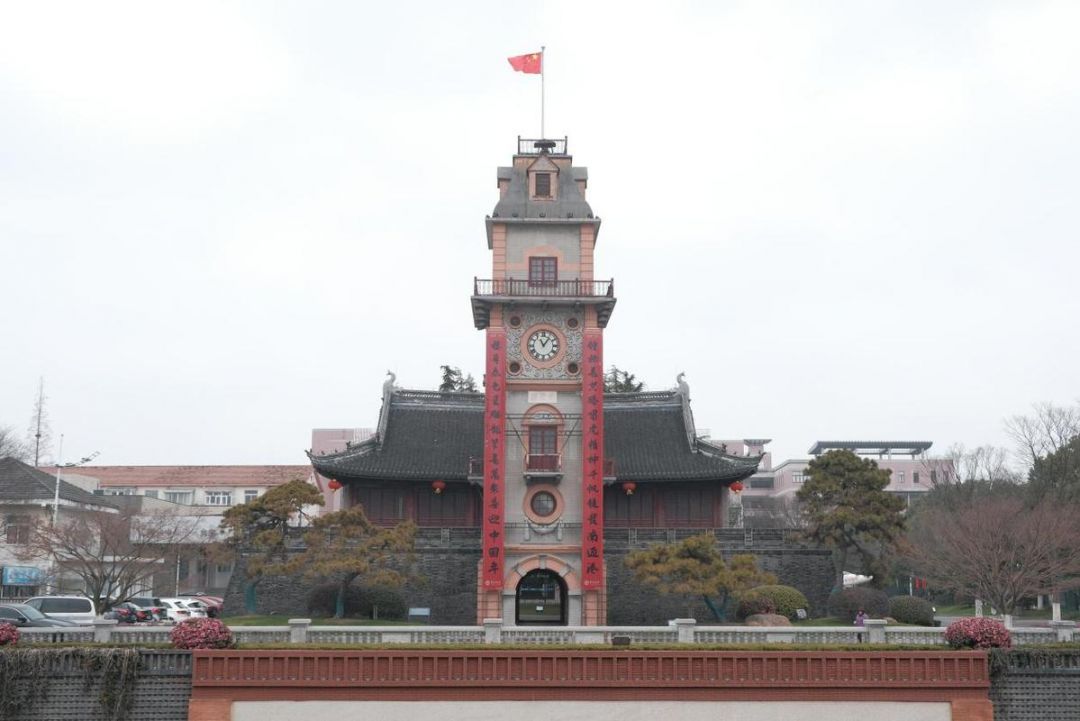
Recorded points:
284,621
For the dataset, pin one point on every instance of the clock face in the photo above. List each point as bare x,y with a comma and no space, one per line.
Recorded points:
543,345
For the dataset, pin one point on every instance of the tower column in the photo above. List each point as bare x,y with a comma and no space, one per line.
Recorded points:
494,494
592,478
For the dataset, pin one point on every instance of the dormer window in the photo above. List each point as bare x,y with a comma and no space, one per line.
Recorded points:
543,185
543,178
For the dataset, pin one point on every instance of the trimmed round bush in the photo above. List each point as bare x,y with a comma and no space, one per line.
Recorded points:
202,633
360,602
383,602
786,599
9,634
845,604
910,609
754,605
975,632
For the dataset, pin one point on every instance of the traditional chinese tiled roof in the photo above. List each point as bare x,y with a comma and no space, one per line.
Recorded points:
190,476
431,436
21,483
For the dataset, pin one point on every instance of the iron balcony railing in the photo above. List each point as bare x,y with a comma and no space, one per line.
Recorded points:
538,462
534,146
550,462
513,287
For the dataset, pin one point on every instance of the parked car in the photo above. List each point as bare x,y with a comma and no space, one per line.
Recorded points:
211,610
128,612
77,609
214,604
178,611
22,614
151,604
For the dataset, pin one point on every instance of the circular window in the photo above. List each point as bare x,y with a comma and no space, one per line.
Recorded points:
572,368
515,321
543,503
571,322
515,367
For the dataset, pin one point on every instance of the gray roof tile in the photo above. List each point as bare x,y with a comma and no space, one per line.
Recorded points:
433,435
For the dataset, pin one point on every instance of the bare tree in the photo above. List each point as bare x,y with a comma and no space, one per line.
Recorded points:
114,554
1045,432
39,434
997,548
11,446
988,464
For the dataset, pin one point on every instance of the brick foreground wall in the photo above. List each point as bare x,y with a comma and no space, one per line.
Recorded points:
1027,685
446,562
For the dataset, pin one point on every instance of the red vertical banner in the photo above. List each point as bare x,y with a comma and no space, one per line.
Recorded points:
592,453
494,494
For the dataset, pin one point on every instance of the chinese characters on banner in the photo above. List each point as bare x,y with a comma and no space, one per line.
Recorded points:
592,472
494,444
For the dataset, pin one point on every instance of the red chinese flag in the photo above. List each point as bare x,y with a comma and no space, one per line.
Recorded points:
533,63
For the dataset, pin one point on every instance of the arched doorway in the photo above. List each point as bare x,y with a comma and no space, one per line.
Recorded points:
541,598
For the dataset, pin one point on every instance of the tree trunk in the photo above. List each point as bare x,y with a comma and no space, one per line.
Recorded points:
840,559
250,601
717,612
339,605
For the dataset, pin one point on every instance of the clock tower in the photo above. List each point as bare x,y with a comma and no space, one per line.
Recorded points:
543,314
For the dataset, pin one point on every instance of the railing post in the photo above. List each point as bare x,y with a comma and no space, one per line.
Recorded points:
1066,630
103,629
685,629
875,629
493,630
298,630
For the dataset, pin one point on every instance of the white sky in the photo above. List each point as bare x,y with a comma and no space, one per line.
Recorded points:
220,224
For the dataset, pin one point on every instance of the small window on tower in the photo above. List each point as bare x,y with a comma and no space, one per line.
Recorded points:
543,271
543,185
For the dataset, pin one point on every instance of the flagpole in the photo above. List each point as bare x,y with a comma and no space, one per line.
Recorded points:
542,64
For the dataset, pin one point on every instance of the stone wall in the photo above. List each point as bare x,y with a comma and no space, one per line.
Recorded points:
630,604
70,688
1035,685
446,563
444,580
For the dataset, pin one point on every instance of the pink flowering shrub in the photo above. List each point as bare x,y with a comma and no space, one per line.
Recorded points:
9,635
202,633
978,633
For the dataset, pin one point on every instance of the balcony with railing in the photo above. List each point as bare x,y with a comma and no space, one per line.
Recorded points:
538,465
488,292
537,146
543,465
524,288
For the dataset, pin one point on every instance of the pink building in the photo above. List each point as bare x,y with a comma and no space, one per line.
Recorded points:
913,471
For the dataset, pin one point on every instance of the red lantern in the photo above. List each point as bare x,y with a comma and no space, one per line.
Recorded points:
629,487
736,487
334,484
438,486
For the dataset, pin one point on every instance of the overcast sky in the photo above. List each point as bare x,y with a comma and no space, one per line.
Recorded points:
221,223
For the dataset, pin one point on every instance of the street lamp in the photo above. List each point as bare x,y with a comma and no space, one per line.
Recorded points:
59,466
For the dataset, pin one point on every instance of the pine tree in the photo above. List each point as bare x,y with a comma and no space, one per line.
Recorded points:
848,509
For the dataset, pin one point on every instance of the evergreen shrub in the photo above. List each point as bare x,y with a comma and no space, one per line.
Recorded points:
786,599
753,604
910,609
845,604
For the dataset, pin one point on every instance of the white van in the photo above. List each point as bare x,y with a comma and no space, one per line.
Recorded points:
77,609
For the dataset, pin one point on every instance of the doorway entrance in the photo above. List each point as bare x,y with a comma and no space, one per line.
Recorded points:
541,599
